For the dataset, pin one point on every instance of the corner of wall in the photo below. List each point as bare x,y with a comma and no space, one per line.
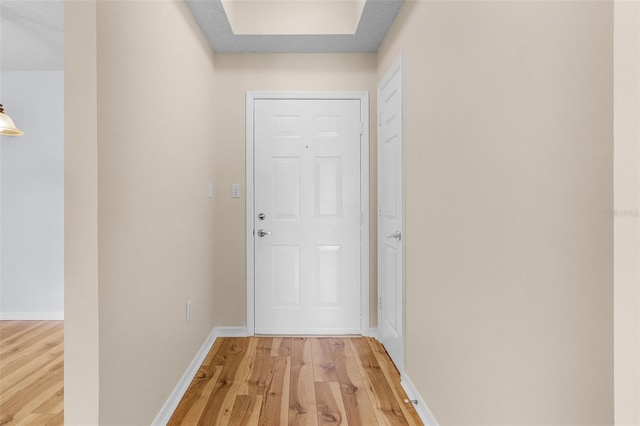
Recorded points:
625,213
81,352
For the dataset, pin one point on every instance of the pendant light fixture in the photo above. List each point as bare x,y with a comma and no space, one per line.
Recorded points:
6,125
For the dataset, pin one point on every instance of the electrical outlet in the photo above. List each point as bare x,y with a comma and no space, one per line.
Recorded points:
189,311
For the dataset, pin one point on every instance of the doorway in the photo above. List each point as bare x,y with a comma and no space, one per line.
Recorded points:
307,213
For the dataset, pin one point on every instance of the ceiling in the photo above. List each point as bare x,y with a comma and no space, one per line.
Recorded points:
376,18
32,32
31,35
261,17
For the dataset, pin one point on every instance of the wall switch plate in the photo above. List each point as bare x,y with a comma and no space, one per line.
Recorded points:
188,311
210,189
235,190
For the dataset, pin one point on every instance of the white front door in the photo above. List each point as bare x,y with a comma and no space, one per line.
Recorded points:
390,215
307,214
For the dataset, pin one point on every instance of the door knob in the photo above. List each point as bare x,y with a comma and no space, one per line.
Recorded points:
397,235
262,233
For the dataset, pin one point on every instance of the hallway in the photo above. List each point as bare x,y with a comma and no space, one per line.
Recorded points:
296,380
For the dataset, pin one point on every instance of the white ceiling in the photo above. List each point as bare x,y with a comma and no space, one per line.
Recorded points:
32,33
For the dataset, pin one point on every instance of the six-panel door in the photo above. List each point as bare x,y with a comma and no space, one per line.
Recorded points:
307,204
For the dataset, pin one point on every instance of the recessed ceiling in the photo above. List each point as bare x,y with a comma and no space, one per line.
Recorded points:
296,33
293,17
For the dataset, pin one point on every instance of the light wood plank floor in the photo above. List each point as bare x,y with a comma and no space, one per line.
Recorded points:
31,373
274,381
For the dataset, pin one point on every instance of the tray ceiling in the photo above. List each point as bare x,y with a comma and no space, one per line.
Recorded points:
376,18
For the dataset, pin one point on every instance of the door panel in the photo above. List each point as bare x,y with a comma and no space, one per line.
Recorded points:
286,276
307,185
328,187
329,276
390,275
286,187
391,215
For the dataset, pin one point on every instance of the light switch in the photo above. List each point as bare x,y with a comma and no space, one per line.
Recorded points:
210,189
235,190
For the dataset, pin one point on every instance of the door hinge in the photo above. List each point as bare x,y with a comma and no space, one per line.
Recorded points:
361,218
361,128
380,302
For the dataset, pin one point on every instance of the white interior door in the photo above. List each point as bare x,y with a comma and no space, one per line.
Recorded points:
391,215
307,216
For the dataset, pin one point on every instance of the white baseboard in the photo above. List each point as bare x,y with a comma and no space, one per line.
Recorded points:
421,407
178,392
373,332
32,316
230,332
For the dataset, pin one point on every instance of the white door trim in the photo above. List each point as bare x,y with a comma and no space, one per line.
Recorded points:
363,97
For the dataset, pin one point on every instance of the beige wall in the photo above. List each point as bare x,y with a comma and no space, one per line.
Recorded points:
154,240
155,161
235,74
509,252
81,339
625,213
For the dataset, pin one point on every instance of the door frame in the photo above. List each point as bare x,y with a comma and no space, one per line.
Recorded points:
363,97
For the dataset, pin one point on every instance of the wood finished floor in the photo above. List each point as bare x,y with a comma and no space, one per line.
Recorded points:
31,373
272,381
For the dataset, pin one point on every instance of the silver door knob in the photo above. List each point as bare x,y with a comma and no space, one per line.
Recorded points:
262,233
397,236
